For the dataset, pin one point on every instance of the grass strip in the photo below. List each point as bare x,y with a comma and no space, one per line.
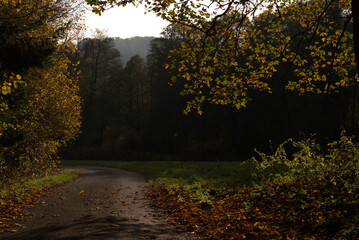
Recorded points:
182,173
19,188
199,178
20,195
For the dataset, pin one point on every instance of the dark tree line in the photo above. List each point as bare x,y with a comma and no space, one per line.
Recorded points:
132,112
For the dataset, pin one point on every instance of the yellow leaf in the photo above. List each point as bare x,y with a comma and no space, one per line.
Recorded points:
82,192
18,76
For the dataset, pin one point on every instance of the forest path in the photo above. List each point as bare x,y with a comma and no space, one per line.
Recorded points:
105,203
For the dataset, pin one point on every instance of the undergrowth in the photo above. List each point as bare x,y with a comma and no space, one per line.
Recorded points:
309,193
322,183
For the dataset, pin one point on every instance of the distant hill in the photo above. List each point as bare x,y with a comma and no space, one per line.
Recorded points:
131,46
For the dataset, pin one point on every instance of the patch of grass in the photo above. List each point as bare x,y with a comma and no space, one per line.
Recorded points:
19,195
182,173
18,189
199,178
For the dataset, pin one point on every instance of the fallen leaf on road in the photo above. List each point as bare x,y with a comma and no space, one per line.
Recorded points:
115,225
82,192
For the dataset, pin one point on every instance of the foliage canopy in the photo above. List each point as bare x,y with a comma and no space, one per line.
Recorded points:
39,103
234,47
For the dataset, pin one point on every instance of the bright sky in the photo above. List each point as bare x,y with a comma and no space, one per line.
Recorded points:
126,22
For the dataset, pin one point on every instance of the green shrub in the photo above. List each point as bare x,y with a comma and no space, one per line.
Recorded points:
339,163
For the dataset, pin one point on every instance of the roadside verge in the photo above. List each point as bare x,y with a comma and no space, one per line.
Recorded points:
19,196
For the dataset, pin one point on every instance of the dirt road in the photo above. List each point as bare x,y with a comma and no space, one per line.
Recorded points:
105,203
